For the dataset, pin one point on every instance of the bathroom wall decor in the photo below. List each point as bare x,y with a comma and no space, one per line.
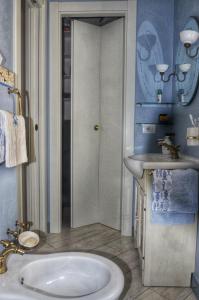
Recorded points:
149,53
179,75
186,90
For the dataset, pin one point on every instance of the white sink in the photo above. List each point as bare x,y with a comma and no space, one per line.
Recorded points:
136,164
70,275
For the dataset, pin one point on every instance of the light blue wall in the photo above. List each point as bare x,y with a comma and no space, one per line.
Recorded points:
8,193
160,15
183,10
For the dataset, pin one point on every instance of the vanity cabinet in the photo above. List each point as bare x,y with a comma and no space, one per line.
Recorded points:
167,252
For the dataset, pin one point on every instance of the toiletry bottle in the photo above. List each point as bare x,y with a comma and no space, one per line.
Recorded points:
159,96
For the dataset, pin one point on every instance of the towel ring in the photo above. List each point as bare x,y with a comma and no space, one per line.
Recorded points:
17,92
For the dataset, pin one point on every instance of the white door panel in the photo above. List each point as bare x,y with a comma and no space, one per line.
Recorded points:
85,114
111,112
97,95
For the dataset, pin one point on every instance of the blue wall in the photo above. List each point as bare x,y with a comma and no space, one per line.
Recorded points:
160,16
8,192
183,10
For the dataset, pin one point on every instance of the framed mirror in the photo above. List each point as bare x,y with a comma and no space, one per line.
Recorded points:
185,91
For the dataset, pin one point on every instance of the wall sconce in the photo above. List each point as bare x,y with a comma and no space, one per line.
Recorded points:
162,68
189,37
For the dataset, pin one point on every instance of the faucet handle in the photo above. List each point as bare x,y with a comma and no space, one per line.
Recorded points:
6,243
14,233
25,226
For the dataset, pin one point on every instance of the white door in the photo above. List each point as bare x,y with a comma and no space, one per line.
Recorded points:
97,97
85,114
111,118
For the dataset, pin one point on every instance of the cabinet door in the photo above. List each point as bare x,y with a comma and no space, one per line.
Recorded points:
136,214
142,225
139,227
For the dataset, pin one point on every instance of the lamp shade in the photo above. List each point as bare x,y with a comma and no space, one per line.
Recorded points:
189,36
162,68
185,67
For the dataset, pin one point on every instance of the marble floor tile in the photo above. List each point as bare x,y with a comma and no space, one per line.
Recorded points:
130,257
191,297
123,244
134,287
173,293
149,295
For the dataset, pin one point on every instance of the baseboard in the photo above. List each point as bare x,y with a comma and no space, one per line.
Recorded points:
195,284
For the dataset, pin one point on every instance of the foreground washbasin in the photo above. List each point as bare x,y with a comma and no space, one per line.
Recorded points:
137,163
69,275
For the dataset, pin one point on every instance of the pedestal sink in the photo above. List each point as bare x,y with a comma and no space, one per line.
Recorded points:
136,164
70,275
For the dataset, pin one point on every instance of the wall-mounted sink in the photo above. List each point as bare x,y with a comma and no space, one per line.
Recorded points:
137,163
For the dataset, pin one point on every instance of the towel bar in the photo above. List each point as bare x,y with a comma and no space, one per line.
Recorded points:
17,92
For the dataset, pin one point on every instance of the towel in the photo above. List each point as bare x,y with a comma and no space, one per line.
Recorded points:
172,218
2,138
162,185
15,139
175,191
184,193
175,196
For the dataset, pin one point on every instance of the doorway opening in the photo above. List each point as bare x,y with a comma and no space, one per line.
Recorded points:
92,120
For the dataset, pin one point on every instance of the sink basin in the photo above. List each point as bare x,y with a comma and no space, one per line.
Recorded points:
70,275
136,164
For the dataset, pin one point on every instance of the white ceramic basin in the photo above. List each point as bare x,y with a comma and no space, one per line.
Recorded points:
136,164
70,275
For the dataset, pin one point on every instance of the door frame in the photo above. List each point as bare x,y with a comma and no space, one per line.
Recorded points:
17,53
58,10
36,173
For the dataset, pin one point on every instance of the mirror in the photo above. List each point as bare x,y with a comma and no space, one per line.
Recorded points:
186,90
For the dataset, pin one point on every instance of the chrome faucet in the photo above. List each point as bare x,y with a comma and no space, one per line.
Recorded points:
9,248
173,149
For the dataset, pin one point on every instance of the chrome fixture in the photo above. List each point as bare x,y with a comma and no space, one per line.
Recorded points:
162,68
188,38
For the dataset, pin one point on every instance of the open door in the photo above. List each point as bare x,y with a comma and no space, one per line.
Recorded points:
111,118
85,114
97,98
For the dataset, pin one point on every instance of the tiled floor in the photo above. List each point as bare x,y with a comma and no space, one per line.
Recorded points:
109,243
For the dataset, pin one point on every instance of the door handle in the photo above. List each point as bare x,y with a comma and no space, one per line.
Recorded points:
97,127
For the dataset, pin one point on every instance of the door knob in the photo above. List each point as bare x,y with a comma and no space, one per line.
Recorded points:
96,127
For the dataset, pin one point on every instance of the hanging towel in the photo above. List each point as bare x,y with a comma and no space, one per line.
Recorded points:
162,185
15,140
184,192
2,137
175,191
175,196
168,218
